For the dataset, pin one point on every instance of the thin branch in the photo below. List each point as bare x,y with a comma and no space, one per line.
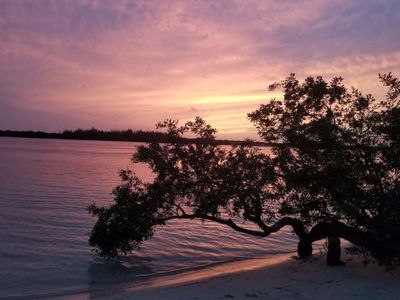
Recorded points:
296,224
227,222
180,208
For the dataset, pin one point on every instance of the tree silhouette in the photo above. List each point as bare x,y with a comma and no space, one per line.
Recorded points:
333,172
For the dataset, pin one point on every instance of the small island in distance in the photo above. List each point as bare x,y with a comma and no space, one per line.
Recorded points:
127,135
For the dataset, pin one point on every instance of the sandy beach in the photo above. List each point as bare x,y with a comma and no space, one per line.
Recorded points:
276,277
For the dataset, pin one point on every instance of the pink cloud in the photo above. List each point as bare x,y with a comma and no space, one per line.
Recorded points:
132,63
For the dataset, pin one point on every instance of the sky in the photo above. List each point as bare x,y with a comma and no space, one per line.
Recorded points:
116,64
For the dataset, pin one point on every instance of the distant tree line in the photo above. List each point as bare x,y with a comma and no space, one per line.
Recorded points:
128,135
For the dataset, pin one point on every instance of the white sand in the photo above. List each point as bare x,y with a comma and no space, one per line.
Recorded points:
279,277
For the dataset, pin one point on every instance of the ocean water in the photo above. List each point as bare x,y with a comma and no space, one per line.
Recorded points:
45,186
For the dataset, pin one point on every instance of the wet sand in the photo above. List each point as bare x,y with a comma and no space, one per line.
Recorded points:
274,277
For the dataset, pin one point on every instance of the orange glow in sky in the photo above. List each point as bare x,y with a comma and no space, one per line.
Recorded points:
130,64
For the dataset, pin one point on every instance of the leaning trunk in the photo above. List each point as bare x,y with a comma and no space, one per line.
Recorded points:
333,231
304,248
334,251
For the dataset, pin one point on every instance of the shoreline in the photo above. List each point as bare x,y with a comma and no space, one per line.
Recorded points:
274,277
148,139
185,277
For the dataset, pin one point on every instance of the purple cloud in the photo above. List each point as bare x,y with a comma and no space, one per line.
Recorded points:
133,63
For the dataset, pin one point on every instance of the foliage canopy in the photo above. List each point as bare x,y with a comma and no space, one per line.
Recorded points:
332,172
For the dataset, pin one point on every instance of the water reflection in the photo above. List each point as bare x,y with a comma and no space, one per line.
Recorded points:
45,186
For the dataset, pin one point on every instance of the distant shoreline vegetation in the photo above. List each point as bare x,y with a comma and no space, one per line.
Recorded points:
128,135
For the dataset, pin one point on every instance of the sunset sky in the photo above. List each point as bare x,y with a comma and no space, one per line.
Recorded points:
129,64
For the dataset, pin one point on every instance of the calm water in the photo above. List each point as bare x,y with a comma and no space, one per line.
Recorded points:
45,186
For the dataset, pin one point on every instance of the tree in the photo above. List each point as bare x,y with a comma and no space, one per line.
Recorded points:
333,173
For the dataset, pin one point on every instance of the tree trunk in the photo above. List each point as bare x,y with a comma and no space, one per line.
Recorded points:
334,251
304,248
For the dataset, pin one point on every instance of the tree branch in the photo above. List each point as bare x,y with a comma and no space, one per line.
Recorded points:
227,222
338,229
296,224
318,232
